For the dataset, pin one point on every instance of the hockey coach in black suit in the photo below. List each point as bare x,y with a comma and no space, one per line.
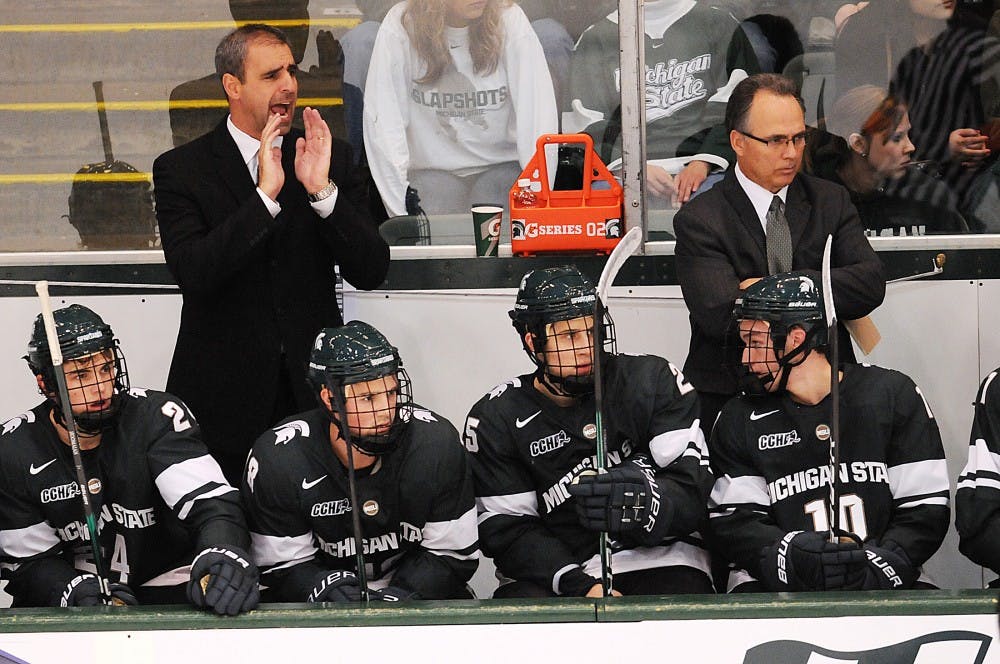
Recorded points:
254,218
764,218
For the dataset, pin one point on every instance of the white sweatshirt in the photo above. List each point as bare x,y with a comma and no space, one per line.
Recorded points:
463,122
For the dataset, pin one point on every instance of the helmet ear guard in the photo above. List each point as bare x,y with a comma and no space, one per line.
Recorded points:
358,353
784,301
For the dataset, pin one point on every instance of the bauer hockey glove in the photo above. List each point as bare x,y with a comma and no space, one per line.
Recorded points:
224,579
337,586
810,561
618,501
84,590
888,568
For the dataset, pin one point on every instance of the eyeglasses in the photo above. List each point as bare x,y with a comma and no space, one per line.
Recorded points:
778,142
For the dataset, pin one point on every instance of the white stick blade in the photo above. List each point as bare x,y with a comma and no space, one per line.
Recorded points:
625,248
827,281
42,288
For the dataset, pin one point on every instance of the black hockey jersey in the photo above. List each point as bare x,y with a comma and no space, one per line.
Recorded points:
418,511
161,499
526,450
771,461
977,500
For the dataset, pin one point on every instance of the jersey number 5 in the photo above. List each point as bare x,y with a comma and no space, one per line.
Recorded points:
471,442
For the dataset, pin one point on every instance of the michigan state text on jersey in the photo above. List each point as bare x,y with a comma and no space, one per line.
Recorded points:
532,441
414,490
771,453
158,496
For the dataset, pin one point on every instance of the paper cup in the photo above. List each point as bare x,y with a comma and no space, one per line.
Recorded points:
486,228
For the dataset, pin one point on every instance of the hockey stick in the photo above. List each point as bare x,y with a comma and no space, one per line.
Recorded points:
625,248
831,331
337,393
55,352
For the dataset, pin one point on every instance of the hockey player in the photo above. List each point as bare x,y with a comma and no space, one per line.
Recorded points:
532,443
169,523
418,515
770,453
977,500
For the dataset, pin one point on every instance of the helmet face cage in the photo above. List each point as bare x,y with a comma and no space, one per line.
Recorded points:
377,410
359,367
562,346
555,308
93,364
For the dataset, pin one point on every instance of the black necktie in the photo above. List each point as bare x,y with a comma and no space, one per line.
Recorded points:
779,238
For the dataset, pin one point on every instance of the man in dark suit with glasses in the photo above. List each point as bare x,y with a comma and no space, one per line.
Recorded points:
765,217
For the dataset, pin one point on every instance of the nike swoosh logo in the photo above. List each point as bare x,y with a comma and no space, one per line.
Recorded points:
35,471
309,485
522,423
756,416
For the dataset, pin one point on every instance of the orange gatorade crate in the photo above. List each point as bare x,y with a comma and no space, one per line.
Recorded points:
580,220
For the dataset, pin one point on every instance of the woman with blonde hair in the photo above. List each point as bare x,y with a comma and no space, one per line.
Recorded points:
457,93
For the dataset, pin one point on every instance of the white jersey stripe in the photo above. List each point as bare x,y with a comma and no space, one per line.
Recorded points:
648,557
918,478
457,556
512,504
979,483
445,536
937,500
669,445
270,550
30,541
182,478
189,505
739,491
981,458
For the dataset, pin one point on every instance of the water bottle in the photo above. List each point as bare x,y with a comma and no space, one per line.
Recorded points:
524,196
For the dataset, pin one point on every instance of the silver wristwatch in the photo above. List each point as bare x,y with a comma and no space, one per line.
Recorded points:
326,192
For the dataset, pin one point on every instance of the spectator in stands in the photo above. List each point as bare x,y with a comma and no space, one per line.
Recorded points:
944,66
695,54
868,150
454,102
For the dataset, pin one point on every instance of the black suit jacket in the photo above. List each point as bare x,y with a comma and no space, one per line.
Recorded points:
720,242
256,289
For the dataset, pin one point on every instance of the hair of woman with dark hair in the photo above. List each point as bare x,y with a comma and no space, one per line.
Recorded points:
866,110
743,95
425,23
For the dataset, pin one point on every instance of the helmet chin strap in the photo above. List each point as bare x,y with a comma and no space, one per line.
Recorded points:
570,386
790,361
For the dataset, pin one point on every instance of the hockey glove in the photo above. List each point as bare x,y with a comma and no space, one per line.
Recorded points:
888,568
84,590
337,586
392,594
224,580
617,501
576,583
809,561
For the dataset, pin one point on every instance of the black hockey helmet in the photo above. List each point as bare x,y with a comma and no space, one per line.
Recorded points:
82,334
787,300
355,353
550,295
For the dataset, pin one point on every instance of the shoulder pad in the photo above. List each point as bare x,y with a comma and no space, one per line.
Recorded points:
10,425
287,431
497,390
